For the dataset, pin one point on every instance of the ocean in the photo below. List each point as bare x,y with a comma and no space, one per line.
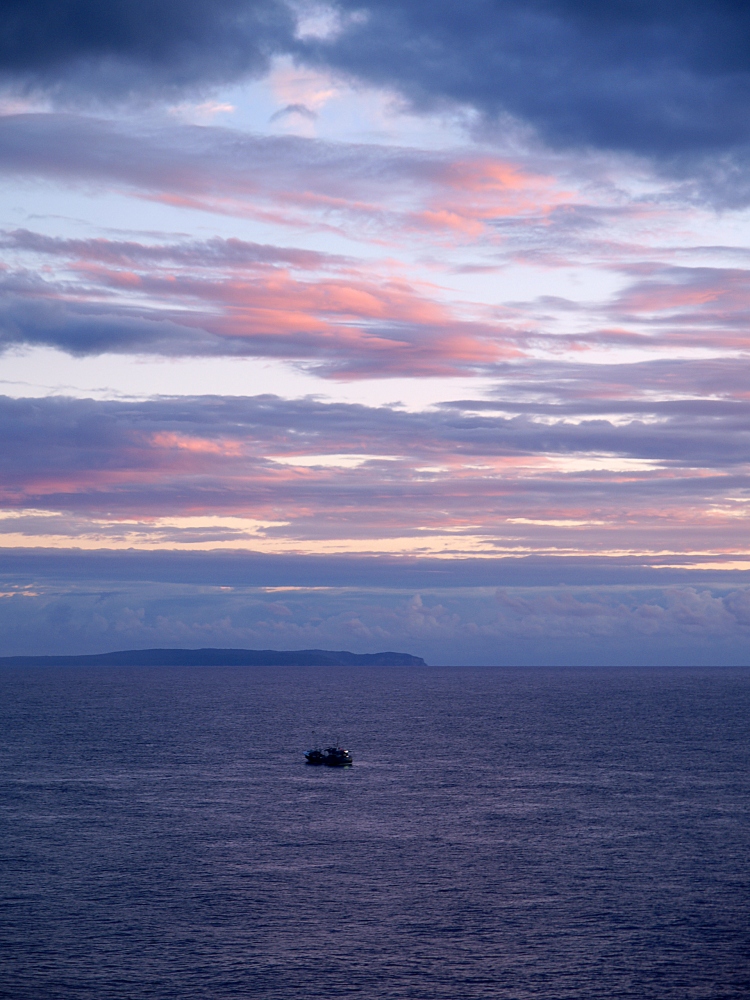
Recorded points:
503,833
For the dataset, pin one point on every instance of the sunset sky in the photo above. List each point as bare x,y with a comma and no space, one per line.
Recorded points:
377,325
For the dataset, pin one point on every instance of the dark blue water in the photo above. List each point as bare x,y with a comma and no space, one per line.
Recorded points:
504,833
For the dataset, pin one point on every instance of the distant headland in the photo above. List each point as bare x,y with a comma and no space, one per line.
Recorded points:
220,658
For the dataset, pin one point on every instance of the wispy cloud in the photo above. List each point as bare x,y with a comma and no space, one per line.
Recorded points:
368,192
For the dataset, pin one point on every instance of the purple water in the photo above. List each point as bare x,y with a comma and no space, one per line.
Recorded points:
504,833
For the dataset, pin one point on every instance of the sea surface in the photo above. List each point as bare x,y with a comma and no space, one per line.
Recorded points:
503,833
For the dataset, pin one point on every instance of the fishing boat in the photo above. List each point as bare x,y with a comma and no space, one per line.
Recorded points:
332,756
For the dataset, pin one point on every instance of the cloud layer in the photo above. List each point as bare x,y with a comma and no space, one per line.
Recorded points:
662,79
598,625
400,228
665,482
139,45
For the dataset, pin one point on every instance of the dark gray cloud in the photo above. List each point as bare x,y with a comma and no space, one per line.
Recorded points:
649,77
664,78
82,329
132,46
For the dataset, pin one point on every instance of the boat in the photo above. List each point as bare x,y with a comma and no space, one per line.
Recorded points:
331,756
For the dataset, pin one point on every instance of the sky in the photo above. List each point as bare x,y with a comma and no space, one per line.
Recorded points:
376,325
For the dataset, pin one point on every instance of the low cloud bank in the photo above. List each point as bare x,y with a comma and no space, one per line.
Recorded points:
650,625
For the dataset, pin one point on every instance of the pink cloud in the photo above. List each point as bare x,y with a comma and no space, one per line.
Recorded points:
352,321
169,440
452,481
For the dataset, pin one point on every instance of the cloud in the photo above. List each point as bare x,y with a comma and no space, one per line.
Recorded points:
134,46
210,253
529,625
656,79
271,475
345,315
688,305
370,192
656,387
414,218
294,109
53,569
345,325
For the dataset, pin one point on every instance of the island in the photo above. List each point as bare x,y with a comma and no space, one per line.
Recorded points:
220,658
